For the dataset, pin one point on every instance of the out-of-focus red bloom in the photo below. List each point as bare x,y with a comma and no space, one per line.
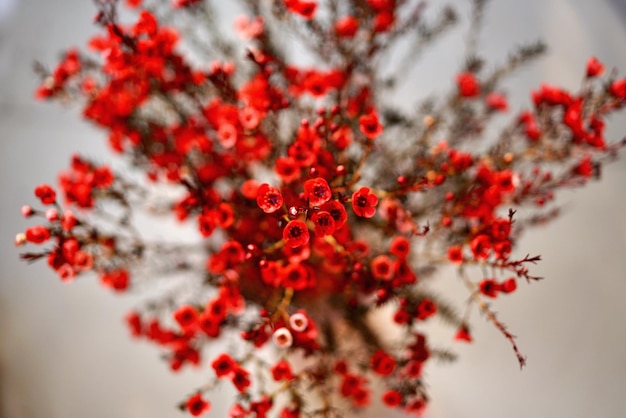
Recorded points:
468,85
370,125
382,363
117,280
197,406
594,67
46,194
346,26
37,234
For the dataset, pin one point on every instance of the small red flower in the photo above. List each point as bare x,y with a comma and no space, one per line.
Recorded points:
324,223
383,21
463,334
382,267
133,320
489,287
197,406
618,88
296,234
304,8
223,365
481,246
206,224
46,194
317,191
370,125
186,316
117,280
269,198
287,169
401,317
426,309
382,363
594,67
400,247
337,211
585,167
509,285
37,234
295,276
468,85
241,379
392,398
281,371
496,101
364,203
346,27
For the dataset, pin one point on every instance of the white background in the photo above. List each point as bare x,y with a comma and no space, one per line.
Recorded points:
64,352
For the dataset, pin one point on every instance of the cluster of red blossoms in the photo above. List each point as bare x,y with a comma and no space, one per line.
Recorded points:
315,201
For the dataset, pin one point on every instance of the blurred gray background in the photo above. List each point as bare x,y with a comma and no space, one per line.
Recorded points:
65,353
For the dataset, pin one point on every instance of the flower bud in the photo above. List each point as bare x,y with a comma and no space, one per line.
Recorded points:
27,211
298,322
52,215
283,338
20,239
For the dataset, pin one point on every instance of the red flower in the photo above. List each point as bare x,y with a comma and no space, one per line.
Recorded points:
206,224
496,101
133,320
281,371
489,287
370,125
382,363
269,198
468,85
296,234
364,203
337,211
287,168
197,406
223,365
241,379
186,316
304,8
116,279
401,317
324,223
463,334
295,276
382,267
290,413
317,191
618,88
400,247
481,246
346,26
392,398
261,407
46,194
37,234
509,285
209,324
426,309
585,167
383,21
594,67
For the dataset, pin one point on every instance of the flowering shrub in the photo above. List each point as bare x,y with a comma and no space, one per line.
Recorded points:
315,201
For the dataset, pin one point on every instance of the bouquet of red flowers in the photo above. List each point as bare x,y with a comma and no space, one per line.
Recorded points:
316,201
